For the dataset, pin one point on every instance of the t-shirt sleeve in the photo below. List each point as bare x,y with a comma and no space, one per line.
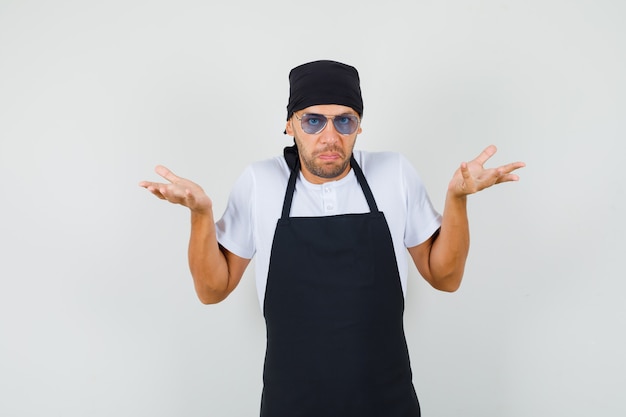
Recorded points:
422,219
235,230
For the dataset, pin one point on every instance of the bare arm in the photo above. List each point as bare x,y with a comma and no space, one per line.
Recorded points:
215,270
441,259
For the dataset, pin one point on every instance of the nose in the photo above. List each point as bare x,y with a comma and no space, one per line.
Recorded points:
329,134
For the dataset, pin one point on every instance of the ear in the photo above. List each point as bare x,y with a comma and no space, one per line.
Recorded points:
359,130
289,128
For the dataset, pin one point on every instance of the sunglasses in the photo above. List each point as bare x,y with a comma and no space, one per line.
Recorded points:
312,123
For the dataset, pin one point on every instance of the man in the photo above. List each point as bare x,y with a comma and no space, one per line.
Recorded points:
330,228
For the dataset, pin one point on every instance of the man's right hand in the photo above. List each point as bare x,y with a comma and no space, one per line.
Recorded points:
179,191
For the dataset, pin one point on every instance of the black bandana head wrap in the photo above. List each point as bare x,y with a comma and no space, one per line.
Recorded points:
324,82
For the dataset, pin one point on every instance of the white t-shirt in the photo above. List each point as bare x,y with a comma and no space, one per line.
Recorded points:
256,200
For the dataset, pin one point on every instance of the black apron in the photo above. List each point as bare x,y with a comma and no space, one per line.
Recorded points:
333,309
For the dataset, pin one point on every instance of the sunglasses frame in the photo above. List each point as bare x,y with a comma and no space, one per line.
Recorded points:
326,118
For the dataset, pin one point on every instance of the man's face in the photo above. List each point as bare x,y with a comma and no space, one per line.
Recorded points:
324,156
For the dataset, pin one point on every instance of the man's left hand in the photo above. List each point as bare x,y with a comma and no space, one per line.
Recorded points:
472,177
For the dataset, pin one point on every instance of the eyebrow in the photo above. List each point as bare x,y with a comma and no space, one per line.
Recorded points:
332,115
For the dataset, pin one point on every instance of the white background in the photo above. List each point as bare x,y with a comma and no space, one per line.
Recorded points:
98,316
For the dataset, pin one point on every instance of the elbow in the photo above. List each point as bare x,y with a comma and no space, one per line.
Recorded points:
447,283
209,301
213,298
447,286
210,288
208,295
447,276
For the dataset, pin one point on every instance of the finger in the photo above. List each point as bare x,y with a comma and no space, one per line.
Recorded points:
513,166
508,168
155,191
498,175
148,184
465,172
171,193
167,174
487,153
507,178
468,182
177,195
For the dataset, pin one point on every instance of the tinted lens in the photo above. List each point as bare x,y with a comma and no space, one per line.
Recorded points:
346,123
313,123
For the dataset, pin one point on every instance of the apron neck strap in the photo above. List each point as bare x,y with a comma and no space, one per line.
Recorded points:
295,170
291,186
364,185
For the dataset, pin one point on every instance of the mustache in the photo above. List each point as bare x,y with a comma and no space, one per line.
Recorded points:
335,149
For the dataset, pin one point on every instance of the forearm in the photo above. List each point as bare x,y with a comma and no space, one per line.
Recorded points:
207,262
451,246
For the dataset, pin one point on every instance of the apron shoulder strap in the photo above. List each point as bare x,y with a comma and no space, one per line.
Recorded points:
291,186
371,202
293,161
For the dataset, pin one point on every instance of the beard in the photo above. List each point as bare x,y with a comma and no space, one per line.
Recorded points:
326,170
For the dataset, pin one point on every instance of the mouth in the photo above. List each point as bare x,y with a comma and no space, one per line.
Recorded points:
329,156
